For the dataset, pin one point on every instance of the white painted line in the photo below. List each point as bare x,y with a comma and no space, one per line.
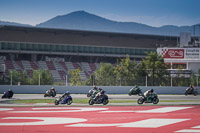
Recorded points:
60,109
153,123
163,110
5,109
116,111
149,123
196,127
44,121
92,125
188,131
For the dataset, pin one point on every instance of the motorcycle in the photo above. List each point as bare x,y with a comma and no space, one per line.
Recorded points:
60,100
90,93
135,92
191,92
7,94
151,99
49,94
102,99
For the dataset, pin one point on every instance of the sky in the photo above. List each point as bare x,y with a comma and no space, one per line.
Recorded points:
151,12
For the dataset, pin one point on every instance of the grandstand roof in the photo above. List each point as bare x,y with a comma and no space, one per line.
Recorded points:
88,38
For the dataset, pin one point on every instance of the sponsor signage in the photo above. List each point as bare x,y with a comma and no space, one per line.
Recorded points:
179,53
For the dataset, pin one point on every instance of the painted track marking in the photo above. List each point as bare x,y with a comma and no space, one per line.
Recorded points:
45,121
157,110
149,123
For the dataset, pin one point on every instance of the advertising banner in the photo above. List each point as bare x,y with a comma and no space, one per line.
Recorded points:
179,53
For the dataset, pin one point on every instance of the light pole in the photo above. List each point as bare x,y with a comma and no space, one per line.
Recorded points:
11,79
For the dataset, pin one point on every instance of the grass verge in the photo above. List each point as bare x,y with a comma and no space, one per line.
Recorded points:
85,101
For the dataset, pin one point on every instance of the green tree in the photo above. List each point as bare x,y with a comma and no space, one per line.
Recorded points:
42,76
141,74
19,77
125,71
105,75
155,66
75,78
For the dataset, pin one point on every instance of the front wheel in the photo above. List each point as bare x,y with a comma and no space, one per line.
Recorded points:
186,93
105,101
195,93
140,100
69,102
155,100
91,102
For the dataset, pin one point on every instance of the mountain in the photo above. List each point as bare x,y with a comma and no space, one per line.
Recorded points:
81,20
13,23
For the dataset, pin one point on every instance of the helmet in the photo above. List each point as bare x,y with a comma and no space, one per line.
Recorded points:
136,86
52,88
95,87
67,92
152,90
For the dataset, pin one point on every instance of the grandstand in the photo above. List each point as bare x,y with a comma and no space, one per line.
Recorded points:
59,50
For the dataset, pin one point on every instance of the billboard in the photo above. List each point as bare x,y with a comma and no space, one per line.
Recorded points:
179,53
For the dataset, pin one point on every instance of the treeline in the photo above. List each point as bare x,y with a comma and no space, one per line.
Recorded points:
151,71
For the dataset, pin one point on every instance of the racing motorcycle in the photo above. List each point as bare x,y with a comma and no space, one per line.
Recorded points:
8,94
49,94
90,93
188,91
102,99
60,100
151,99
135,92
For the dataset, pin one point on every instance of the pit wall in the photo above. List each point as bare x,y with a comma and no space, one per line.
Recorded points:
35,89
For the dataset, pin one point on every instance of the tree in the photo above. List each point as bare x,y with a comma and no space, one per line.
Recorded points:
155,66
42,76
75,78
125,71
19,77
105,75
141,74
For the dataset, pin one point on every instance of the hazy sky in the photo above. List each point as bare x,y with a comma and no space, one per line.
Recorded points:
150,12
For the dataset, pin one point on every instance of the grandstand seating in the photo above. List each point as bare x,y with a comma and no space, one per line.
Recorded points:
59,70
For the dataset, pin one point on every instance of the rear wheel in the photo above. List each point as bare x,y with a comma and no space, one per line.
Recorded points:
140,100
195,93
56,102
91,102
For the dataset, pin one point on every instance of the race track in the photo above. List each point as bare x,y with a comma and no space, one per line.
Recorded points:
103,119
187,100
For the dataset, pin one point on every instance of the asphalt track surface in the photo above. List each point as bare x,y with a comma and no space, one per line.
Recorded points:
103,119
112,118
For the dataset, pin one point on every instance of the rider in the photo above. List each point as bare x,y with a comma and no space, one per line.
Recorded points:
148,94
65,96
98,93
53,92
191,88
95,91
137,89
8,94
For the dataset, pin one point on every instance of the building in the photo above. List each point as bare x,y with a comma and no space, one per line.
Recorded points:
61,50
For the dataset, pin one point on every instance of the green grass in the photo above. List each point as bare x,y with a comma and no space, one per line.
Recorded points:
85,101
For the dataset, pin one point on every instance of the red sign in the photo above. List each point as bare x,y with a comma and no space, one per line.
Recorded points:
173,53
